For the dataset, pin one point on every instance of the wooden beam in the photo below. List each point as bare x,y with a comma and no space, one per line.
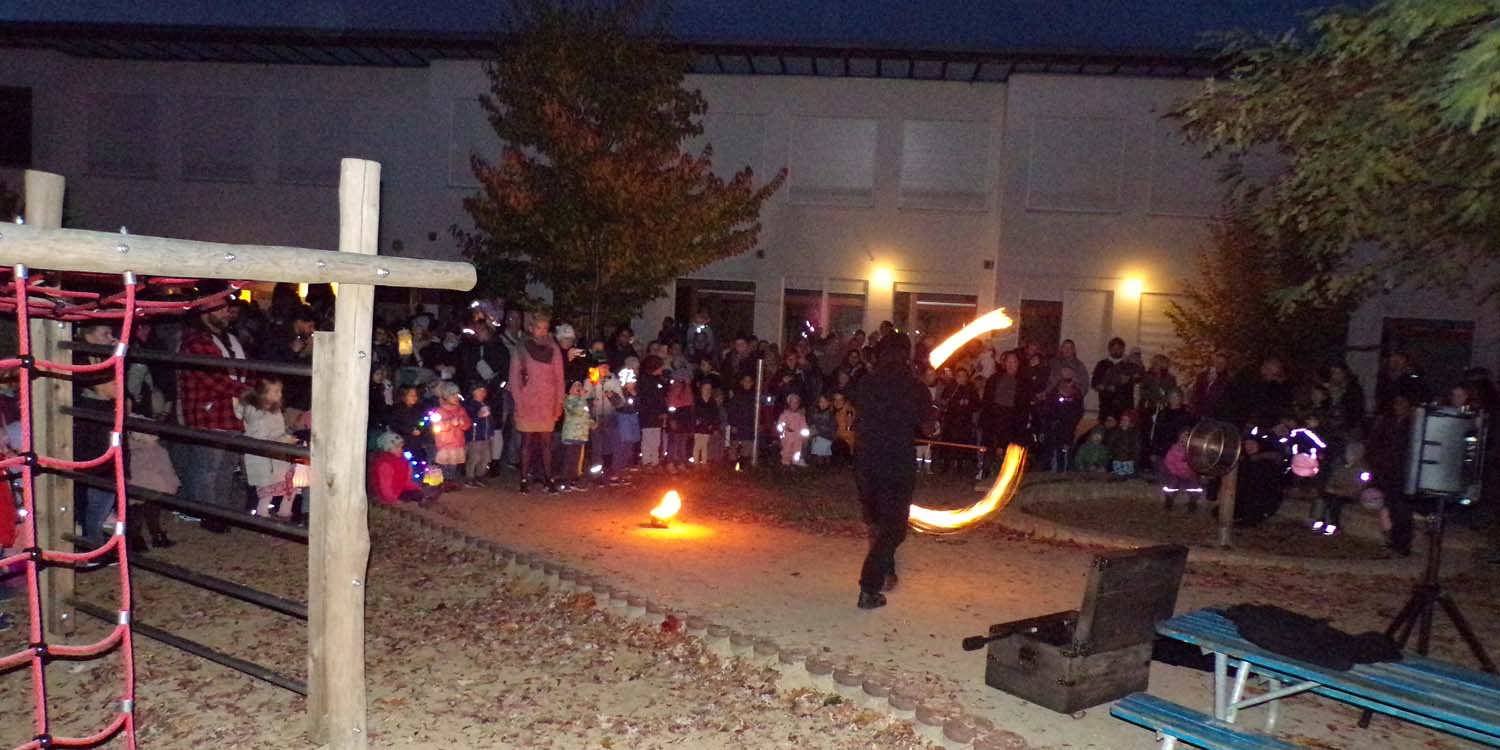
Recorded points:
100,252
52,431
339,540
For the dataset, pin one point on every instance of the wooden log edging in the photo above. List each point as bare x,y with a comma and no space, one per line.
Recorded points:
797,669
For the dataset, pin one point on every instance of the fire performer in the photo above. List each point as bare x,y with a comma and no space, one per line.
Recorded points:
891,404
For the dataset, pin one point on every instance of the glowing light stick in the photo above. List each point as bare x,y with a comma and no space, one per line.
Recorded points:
933,521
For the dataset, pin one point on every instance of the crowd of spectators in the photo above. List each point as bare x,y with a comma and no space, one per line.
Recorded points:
461,400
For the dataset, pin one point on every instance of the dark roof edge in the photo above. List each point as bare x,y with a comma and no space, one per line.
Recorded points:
43,34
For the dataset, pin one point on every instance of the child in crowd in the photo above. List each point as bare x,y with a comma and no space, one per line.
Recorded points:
824,429
605,399
1178,477
843,420
740,413
932,422
628,424
481,430
1340,487
1170,418
575,435
1093,455
391,478
261,411
706,422
792,426
1124,447
450,427
408,419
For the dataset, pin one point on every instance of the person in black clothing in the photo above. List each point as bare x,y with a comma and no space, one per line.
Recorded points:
891,404
1114,378
1400,378
1386,451
1256,396
959,410
1005,408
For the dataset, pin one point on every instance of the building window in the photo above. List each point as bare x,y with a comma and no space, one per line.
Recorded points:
218,142
945,165
833,161
802,314
311,138
15,127
123,135
932,314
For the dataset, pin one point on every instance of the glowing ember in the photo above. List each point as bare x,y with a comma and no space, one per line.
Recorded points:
931,521
662,514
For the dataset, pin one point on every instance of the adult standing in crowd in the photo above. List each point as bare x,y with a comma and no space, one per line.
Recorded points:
891,403
536,385
1067,359
1207,397
294,344
1006,404
702,341
1115,378
1400,378
205,401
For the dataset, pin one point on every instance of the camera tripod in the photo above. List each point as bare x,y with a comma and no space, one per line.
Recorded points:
1426,596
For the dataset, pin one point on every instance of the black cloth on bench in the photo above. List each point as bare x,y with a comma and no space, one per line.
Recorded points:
1303,638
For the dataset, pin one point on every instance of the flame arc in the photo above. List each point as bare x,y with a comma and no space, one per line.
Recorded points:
935,521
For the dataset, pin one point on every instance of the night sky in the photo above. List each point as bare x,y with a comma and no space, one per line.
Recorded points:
1098,26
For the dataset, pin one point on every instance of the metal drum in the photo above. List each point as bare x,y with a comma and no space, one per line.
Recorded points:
1213,447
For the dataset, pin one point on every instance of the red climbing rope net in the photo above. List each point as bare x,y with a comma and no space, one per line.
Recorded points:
31,296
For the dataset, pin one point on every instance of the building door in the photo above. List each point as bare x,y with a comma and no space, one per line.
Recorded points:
1441,349
730,305
1085,320
1041,323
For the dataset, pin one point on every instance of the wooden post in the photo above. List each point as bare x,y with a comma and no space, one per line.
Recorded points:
339,540
52,431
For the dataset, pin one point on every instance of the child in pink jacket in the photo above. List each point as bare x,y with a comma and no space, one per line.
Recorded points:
1178,476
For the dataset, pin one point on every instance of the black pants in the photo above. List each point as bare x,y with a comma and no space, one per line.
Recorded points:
887,506
536,448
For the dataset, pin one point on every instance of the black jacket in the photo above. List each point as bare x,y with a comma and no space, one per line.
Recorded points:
651,400
891,404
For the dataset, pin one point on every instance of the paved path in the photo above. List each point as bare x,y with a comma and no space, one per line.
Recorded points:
799,590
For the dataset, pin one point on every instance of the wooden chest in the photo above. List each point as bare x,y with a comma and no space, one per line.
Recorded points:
1069,661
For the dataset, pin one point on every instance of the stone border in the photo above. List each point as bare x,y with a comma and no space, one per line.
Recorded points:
1460,554
796,669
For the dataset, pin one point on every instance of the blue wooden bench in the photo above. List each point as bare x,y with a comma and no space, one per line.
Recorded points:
1445,697
1173,723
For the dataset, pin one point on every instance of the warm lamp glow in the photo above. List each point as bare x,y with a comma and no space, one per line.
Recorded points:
302,292
882,276
245,296
404,344
1132,286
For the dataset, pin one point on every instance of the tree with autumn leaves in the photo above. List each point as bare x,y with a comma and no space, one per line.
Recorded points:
1384,125
594,195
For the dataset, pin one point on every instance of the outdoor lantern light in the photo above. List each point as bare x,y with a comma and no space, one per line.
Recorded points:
666,510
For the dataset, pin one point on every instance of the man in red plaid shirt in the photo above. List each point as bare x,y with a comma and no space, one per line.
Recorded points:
205,401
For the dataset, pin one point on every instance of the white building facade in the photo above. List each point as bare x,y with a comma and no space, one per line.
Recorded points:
1065,198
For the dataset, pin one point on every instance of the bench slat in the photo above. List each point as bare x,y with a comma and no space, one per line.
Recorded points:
1442,696
1193,727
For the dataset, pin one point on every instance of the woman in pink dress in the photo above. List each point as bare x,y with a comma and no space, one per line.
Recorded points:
536,384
